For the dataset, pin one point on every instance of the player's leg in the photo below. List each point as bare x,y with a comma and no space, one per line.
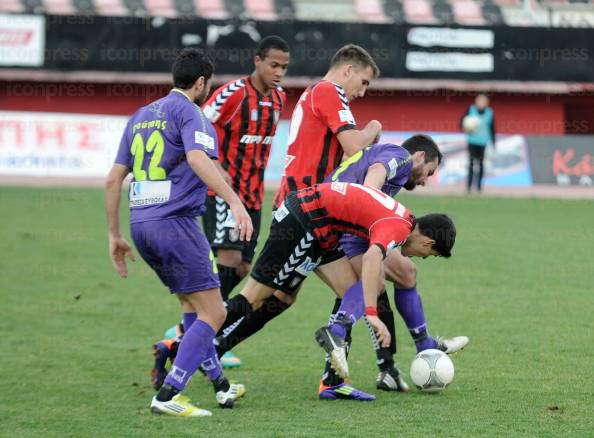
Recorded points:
403,273
197,350
179,258
471,159
288,256
480,159
338,274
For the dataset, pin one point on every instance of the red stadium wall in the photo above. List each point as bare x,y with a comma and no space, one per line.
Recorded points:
396,110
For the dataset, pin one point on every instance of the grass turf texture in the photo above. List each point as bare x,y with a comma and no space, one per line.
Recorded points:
76,339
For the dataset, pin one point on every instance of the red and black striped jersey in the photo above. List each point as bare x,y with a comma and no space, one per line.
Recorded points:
314,150
245,121
336,208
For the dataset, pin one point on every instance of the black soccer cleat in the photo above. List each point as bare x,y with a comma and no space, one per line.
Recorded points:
336,349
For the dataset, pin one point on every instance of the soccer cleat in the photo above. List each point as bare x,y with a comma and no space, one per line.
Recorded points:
229,360
178,406
336,349
391,380
161,352
452,345
227,399
343,391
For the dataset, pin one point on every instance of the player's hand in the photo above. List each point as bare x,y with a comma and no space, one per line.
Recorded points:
119,249
243,222
375,126
381,331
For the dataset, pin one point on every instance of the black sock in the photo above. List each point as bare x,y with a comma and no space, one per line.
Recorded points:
166,393
229,279
271,308
385,360
330,378
237,307
221,384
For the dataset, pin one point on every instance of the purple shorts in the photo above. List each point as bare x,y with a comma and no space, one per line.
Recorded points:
177,250
353,245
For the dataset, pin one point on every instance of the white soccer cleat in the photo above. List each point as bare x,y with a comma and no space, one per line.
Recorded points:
227,399
391,380
452,345
178,406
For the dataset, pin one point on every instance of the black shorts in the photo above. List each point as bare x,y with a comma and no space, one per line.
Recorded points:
290,253
218,228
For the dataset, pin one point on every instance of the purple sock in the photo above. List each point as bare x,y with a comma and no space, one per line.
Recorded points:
195,348
351,309
410,307
189,319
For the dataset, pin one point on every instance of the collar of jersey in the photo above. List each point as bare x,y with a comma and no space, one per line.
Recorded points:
182,93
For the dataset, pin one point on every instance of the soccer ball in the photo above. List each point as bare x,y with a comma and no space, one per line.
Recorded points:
432,370
470,124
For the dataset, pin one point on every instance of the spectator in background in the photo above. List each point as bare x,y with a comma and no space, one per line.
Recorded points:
479,125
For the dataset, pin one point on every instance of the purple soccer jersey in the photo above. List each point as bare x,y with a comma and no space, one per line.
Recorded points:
154,147
398,164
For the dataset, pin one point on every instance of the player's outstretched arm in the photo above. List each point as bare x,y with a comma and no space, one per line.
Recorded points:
353,140
203,166
119,248
376,176
371,271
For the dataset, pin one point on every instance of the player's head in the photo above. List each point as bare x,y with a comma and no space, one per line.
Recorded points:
433,235
353,68
192,71
272,60
426,158
481,101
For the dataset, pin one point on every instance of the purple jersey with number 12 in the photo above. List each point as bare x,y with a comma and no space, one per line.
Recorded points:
154,147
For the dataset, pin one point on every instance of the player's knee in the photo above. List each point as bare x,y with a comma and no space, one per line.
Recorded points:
218,316
229,257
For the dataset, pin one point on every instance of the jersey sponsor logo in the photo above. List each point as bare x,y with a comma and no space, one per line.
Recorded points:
256,139
307,266
339,187
204,139
346,115
211,113
149,193
265,103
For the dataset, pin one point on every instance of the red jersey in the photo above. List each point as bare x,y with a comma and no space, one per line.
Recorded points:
245,121
314,150
336,208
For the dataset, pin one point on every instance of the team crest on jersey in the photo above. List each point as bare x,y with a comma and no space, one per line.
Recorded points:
254,115
346,115
339,187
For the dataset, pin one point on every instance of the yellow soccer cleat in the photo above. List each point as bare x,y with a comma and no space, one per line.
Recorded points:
178,406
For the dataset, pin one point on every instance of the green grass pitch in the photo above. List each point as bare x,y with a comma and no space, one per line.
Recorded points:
76,339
